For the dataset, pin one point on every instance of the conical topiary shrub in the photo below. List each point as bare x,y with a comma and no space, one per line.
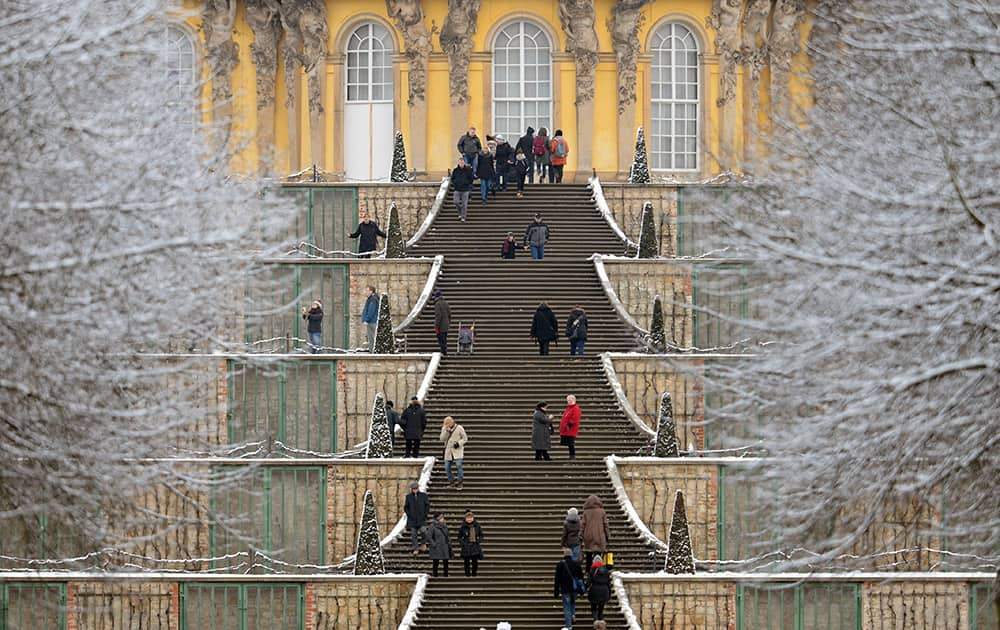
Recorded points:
385,340
666,430
649,246
398,173
657,334
639,173
379,439
395,247
680,557
368,559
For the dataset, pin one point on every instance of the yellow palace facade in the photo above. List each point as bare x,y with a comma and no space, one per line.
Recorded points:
327,82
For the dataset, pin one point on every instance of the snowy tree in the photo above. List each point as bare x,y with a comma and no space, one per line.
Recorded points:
399,173
649,246
395,246
680,556
379,438
877,263
666,430
656,340
121,237
385,340
639,172
369,559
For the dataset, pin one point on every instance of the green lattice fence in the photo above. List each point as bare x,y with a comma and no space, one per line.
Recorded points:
721,298
32,606
982,611
325,216
295,403
41,536
278,510
803,606
242,606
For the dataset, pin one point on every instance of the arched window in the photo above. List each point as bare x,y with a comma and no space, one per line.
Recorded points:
368,112
676,92
176,51
369,64
522,79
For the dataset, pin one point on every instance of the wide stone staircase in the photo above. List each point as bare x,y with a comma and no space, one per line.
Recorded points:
520,502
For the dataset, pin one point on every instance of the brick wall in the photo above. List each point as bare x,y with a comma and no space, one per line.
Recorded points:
413,201
626,202
365,605
683,605
359,379
402,280
905,606
637,283
119,605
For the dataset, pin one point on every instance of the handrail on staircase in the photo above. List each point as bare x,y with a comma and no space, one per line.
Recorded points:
609,371
424,295
594,183
602,275
416,601
432,214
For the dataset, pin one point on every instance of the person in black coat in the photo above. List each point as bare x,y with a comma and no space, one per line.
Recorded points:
470,536
544,327
599,590
368,231
576,330
461,181
567,570
414,421
486,172
504,162
416,507
526,144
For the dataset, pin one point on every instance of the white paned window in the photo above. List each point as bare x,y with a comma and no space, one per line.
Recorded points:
369,65
522,80
177,59
676,91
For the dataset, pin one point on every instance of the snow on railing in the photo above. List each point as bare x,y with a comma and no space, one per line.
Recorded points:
602,205
435,207
623,401
425,385
626,503
423,480
424,295
602,275
624,603
416,601
846,576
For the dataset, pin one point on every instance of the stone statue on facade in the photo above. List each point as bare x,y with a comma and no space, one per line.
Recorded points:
725,20
753,50
783,44
262,16
456,41
409,18
626,20
221,52
291,46
315,34
577,19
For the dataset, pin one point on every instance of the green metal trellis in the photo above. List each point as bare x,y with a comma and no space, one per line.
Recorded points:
32,605
242,606
799,606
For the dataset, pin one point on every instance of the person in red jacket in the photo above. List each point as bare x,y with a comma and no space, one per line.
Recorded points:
569,426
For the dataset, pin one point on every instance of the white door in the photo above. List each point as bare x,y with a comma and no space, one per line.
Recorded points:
368,112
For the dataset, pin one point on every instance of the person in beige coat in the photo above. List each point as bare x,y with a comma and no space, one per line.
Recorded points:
594,526
454,438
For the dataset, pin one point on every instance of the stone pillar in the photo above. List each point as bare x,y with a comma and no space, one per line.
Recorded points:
222,54
315,33
753,56
783,43
292,54
456,42
725,19
409,18
626,19
577,19
262,16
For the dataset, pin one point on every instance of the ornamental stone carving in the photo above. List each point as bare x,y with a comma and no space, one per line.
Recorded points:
626,20
577,19
456,41
315,33
725,20
291,47
409,18
221,52
262,16
783,43
753,50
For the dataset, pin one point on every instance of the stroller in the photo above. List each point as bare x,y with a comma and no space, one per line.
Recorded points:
466,337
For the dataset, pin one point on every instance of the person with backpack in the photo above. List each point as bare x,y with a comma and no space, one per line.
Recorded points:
571,533
540,149
559,149
536,236
526,144
508,249
544,328
461,181
314,326
576,330
567,584
598,587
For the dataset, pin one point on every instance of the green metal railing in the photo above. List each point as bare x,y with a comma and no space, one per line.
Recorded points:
242,606
32,606
295,403
720,294
280,511
982,612
43,537
325,216
276,294
801,606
